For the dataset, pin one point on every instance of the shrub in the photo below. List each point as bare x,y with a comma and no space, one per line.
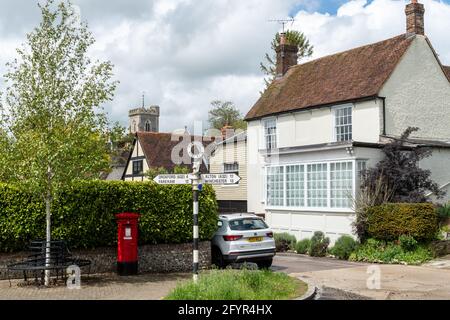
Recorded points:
400,170
390,221
284,241
343,247
376,251
303,246
407,243
240,285
83,214
319,245
443,212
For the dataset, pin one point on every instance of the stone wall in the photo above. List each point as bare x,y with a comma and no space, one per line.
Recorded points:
161,258
440,248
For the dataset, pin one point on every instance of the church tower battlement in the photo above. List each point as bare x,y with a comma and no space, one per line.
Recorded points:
144,119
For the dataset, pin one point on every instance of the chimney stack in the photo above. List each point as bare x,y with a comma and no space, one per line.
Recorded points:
287,56
415,18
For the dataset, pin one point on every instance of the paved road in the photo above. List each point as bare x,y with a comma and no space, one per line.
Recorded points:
341,280
290,263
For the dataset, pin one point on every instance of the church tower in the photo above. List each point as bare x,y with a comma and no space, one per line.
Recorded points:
144,119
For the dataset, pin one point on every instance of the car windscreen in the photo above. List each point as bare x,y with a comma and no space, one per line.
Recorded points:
247,224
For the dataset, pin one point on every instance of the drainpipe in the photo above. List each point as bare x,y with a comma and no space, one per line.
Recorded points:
384,114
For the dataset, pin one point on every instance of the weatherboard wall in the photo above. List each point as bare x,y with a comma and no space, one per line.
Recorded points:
231,153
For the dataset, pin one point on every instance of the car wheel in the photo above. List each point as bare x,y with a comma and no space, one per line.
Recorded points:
217,258
265,264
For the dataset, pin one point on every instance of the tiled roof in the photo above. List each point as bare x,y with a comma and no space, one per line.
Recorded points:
158,147
345,76
447,72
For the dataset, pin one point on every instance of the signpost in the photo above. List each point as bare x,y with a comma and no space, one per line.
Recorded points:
172,179
221,179
196,179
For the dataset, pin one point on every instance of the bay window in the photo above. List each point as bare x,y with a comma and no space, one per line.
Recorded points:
341,184
317,185
295,186
324,185
275,186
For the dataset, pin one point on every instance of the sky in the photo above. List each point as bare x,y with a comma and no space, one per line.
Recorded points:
186,53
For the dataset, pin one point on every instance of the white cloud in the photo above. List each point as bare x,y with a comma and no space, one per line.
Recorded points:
185,53
359,22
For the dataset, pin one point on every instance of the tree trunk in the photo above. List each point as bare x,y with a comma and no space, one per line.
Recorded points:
48,203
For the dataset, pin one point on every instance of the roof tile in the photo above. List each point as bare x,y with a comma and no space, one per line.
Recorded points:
447,71
158,147
345,76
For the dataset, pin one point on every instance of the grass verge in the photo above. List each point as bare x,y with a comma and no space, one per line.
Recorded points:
240,285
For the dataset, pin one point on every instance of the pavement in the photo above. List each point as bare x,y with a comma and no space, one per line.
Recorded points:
98,287
341,280
335,279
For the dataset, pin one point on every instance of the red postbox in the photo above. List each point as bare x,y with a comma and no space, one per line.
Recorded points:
127,243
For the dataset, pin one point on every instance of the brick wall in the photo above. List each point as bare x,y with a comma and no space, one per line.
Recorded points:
161,258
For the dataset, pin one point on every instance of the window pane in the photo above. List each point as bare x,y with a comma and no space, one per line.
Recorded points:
341,183
275,186
231,168
270,134
247,224
138,167
317,185
295,186
343,120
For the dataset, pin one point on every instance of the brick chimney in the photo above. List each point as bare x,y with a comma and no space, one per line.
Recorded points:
415,12
227,132
287,56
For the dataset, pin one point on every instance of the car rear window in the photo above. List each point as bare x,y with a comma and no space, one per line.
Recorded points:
247,224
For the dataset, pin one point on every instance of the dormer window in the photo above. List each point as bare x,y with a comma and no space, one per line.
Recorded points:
270,133
343,123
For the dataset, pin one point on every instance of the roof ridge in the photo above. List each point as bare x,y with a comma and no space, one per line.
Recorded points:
352,49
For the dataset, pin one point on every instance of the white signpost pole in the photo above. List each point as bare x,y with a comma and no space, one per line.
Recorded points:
197,160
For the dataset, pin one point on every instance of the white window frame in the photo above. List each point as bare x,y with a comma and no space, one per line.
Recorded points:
335,125
328,208
284,186
264,135
231,164
231,186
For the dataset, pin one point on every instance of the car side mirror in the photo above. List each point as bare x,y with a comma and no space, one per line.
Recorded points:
219,224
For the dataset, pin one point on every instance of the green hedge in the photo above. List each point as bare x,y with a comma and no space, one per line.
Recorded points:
392,220
83,214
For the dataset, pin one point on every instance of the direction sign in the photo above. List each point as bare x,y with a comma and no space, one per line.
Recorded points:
221,179
217,179
173,179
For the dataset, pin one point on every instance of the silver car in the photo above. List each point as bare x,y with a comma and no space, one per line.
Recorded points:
242,238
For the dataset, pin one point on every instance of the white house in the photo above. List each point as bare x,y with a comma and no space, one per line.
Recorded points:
323,121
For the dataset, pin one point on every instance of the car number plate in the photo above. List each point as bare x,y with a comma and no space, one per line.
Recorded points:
255,239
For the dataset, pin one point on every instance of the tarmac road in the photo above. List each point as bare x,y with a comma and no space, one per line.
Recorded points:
291,263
